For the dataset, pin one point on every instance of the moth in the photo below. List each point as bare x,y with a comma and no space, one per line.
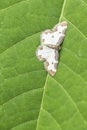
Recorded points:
48,51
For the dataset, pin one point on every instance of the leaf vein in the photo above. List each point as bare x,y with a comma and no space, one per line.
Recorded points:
84,2
74,72
23,123
20,95
52,118
75,54
20,41
71,99
75,27
10,6
24,73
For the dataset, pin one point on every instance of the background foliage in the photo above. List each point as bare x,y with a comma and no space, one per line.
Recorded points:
30,99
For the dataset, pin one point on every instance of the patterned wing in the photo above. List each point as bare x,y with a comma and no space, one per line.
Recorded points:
50,58
53,38
50,42
51,62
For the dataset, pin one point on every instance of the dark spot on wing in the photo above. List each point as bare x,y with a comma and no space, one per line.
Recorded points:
52,73
41,47
52,36
61,39
59,32
55,65
46,64
43,40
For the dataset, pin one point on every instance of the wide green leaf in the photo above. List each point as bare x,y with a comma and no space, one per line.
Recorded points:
30,99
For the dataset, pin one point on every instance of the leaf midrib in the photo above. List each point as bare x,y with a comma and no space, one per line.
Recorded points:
61,14
85,122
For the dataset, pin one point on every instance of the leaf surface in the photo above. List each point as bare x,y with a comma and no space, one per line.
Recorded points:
30,99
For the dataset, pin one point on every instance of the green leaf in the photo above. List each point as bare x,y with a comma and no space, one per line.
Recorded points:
30,99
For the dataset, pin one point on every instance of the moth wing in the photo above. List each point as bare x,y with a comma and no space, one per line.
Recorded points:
61,29
51,62
42,53
53,38
45,37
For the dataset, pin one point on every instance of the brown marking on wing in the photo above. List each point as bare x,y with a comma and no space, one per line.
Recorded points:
55,28
40,47
59,32
59,48
61,39
55,65
46,64
52,36
52,46
56,56
43,40
41,58
63,23
64,31
47,31
52,73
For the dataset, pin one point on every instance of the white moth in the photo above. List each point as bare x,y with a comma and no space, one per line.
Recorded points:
48,51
